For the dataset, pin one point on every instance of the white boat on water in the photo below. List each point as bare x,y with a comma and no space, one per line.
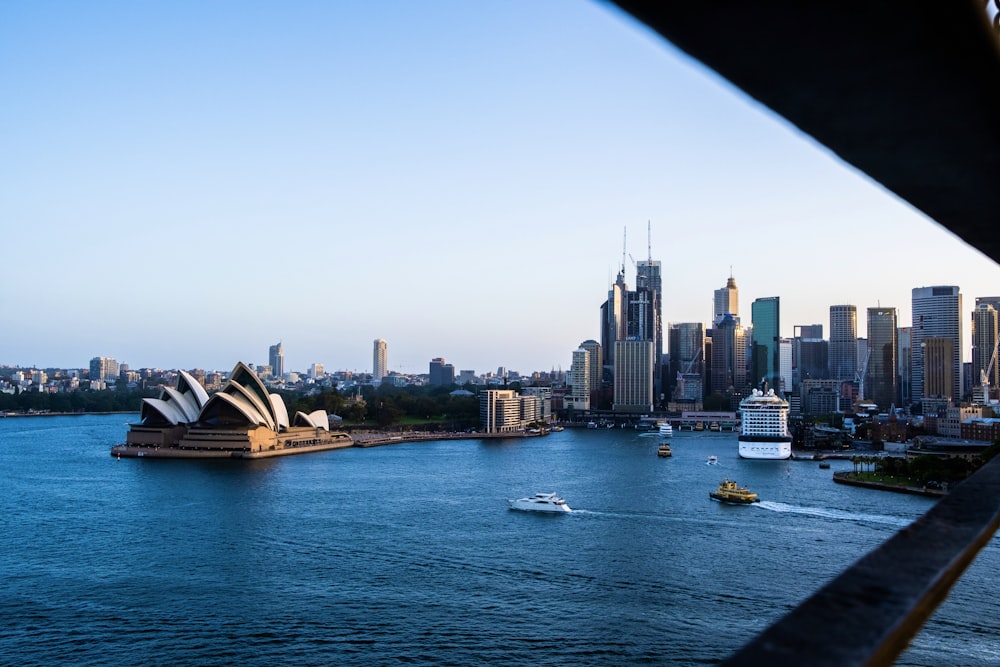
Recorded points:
540,502
666,430
713,460
764,427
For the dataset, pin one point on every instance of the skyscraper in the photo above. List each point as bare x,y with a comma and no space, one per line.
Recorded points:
687,360
276,360
579,380
726,302
938,369
936,313
765,363
380,360
440,373
881,384
613,319
843,352
729,369
596,363
648,279
984,343
633,388
810,354
903,335
103,368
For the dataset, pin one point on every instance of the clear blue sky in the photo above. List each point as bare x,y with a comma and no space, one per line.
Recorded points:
183,184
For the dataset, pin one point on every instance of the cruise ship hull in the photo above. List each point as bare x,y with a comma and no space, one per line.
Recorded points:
774,449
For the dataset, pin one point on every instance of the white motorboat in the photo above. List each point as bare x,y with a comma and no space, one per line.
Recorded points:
712,460
665,429
540,502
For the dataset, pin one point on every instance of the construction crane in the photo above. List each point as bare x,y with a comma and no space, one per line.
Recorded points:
687,372
984,377
860,375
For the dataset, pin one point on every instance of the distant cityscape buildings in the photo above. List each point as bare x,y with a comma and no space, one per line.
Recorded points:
644,366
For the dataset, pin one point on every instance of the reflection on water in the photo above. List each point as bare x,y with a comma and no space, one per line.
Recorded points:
409,553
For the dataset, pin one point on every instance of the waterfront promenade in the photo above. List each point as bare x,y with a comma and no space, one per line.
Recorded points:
379,438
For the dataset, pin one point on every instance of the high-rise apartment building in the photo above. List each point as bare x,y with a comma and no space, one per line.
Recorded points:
843,342
984,344
765,362
103,369
380,360
936,313
726,301
500,410
633,372
596,364
579,380
881,385
276,359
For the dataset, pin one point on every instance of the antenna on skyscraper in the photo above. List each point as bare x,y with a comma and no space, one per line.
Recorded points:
624,245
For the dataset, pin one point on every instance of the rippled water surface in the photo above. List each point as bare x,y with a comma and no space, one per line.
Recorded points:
407,554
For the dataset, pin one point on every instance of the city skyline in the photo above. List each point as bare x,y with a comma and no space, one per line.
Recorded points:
181,186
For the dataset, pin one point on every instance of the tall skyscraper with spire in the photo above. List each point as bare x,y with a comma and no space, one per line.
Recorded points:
613,319
727,301
936,314
380,360
634,316
649,280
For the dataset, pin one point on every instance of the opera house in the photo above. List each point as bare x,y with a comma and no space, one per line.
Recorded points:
242,420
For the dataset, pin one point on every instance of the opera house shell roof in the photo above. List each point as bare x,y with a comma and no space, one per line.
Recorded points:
243,402
242,420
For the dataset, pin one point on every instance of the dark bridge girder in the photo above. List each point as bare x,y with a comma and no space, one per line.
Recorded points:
906,92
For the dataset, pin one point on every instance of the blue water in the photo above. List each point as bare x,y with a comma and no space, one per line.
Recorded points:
407,554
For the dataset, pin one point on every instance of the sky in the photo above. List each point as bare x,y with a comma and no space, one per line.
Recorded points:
184,184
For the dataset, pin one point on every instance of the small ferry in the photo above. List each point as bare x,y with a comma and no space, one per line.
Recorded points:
540,502
729,492
665,429
664,450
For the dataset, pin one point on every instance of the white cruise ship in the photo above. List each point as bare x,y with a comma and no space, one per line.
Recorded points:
764,430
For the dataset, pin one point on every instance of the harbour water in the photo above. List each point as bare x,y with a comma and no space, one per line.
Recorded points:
408,554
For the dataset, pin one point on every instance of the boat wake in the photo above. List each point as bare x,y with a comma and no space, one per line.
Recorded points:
834,514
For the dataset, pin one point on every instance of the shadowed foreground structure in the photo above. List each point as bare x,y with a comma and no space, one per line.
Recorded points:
909,94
